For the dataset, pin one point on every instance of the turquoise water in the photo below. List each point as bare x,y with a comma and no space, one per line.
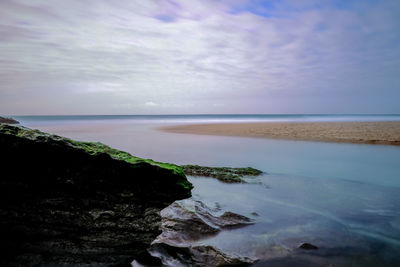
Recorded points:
344,198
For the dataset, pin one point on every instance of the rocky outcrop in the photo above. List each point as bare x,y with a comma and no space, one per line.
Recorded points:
188,221
199,255
70,203
223,174
8,120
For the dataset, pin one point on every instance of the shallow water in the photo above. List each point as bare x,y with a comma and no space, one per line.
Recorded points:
342,218
344,198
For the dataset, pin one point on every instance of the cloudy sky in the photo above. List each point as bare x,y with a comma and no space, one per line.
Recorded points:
199,56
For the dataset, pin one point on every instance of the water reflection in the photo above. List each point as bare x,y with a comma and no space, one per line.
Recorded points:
335,215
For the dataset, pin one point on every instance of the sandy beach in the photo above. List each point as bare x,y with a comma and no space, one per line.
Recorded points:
387,133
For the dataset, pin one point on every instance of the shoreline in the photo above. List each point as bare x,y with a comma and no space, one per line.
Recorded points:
382,133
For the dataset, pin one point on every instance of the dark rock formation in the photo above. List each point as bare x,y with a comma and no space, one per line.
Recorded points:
64,202
199,255
190,220
308,246
224,174
8,120
187,221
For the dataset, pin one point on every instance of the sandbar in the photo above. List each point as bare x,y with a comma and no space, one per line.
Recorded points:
386,133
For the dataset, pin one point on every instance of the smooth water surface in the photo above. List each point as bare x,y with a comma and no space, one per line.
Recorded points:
344,198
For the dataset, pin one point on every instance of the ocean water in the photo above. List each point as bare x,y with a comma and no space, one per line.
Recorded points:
344,198
210,118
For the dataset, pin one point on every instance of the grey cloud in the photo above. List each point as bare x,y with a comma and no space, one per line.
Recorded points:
118,55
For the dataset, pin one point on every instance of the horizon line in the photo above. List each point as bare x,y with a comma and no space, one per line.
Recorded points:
205,114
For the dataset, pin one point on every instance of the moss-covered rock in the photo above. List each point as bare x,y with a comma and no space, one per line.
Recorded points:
64,202
224,174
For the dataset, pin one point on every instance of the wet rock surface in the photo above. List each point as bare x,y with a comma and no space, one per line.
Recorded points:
223,174
70,203
199,255
188,221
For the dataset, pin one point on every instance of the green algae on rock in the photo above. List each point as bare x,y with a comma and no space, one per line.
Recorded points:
224,174
65,202
96,149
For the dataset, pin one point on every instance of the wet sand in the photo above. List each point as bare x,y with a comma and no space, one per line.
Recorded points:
386,133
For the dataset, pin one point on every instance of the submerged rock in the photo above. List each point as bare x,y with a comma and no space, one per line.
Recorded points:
8,120
224,174
187,221
308,246
199,255
70,203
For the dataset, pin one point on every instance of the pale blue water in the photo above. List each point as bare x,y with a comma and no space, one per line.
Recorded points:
344,198
209,118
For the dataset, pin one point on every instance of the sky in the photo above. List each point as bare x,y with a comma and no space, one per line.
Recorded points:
70,57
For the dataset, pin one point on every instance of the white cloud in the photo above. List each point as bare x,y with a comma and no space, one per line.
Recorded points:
151,104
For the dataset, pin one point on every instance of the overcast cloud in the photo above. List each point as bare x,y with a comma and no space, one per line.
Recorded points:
226,56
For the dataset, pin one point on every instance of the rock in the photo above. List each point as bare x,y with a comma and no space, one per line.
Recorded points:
224,174
70,203
187,221
200,255
308,246
8,120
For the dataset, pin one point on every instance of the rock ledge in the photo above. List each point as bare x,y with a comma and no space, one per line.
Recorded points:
70,203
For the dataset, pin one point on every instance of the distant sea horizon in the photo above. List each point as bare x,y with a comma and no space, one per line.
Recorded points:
212,118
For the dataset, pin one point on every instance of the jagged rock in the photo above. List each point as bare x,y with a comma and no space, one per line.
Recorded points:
223,174
199,255
8,120
187,221
70,203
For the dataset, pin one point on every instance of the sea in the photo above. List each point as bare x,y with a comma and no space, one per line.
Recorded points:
342,198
